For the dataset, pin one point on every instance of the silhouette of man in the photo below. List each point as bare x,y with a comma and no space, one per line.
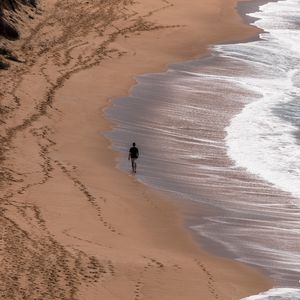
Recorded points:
133,155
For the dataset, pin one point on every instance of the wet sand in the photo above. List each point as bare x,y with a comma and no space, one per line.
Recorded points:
73,226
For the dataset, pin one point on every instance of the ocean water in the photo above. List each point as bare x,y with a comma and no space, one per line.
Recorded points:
277,294
223,131
265,137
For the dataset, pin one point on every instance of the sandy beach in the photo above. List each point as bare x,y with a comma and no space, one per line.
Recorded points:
72,225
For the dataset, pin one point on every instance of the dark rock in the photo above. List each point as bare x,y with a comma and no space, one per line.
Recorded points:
13,58
4,51
8,54
3,65
8,30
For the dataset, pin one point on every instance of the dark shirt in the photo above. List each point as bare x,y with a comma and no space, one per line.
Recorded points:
134,152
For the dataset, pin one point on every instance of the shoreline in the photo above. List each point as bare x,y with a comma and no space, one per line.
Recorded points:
158,122
187,209
100,218
190,209
250,6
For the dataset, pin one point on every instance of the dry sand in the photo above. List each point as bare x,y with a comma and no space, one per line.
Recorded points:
72,225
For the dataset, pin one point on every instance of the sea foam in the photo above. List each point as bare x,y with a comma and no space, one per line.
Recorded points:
277,294
264,137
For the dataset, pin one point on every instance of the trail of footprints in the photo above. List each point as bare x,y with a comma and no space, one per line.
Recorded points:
211,287
152,263
90,198
66,232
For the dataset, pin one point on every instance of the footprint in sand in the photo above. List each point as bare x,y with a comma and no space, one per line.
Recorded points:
211,280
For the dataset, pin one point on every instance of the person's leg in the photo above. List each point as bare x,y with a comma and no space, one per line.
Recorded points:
133,165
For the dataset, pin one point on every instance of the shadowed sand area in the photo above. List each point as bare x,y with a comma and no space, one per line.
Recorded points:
73,226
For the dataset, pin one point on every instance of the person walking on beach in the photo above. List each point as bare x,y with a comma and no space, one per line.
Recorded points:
133,155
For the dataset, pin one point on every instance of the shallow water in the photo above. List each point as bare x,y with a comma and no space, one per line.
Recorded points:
223,131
